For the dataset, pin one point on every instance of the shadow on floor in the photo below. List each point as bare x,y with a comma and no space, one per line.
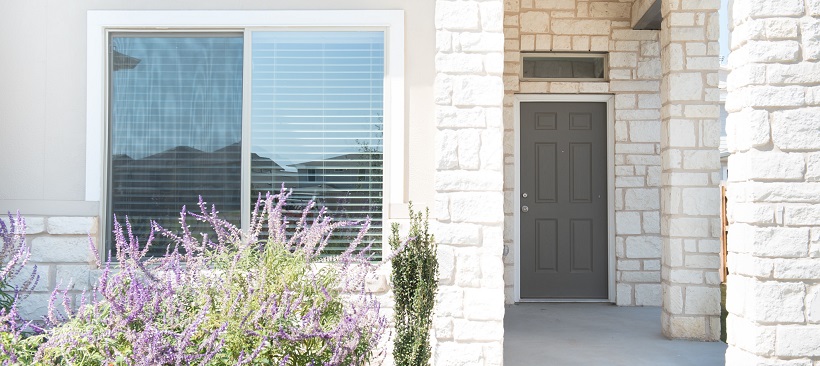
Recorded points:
597,334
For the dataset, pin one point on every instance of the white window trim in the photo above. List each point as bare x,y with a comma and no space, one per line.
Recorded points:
100,23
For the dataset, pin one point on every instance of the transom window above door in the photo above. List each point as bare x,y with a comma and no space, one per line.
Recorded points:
233,113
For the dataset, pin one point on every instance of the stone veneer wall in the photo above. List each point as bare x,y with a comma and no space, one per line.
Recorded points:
635,73
60,249
468,208
773,131
690,197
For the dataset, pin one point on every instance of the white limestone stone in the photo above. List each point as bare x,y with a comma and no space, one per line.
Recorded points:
61,249
627,223
72,225
784,302
76,277
796,129
643,247
798,341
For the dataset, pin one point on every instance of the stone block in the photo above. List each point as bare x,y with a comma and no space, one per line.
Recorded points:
687,327
707,159
747,335
781,242
35,306
446,264
643,247
641,276
61,249
642,199
780,302
72,225
702,300
810,31
627,223
34,225
645,131
492,15
798,341
796,129
648,294
77,277
446,150
535,22
624,295
802,215
701,201
692,227
443,328
450,301
807,269
672,299
684,276
685,87
582,26
468,269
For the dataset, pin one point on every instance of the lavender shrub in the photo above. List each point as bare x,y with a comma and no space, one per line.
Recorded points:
16,282
261,296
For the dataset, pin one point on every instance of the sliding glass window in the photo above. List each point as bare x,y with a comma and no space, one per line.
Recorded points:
176,124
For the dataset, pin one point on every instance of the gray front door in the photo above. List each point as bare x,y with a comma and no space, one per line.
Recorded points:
563,201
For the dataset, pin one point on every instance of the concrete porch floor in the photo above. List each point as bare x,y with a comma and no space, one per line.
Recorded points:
597,334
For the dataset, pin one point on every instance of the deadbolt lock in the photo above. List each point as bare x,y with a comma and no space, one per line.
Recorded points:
525,209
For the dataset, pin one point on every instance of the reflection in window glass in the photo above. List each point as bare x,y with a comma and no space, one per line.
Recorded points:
317,122
564,67
175,126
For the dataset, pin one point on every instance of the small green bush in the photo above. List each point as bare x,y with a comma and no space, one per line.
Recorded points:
415,282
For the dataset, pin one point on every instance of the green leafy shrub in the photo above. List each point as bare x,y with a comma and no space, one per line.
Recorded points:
415,282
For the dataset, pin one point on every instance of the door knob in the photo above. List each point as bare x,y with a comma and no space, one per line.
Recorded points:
525,209
524,195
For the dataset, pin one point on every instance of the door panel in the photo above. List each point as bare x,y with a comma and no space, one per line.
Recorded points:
564,251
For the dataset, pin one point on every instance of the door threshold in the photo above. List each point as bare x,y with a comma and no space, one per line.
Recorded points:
563,300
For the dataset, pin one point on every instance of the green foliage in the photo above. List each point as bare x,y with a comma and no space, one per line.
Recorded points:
415,282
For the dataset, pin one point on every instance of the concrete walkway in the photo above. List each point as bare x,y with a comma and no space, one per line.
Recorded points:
597,334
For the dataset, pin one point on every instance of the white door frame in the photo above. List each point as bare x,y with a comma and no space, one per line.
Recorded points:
609,99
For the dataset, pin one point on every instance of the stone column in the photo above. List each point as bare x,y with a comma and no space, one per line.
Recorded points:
773,130
690,162
469,323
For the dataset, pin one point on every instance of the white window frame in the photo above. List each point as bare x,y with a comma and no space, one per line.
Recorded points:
101,23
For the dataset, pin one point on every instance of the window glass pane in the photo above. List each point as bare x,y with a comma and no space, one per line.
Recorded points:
317,122
175,126
564,67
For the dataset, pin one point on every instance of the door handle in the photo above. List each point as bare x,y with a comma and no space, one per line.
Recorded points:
525,209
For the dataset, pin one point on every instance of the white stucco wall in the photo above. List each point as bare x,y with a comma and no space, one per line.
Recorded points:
43,104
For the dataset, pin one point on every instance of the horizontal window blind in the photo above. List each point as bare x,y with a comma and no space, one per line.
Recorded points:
175,119
317,123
